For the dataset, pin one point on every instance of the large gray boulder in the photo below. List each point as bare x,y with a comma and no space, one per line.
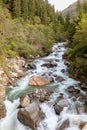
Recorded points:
58,107
30,116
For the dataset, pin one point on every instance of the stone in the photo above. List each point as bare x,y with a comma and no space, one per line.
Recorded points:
81,125
84,87
48,77
85,127
24,101
73,90
62,126
50,64
31,57
59,79
63,70
60,105
30,116
31,66
67,63
58,109
63,103
38,81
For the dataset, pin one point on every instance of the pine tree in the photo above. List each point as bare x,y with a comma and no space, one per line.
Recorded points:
24,8
31,9
16,8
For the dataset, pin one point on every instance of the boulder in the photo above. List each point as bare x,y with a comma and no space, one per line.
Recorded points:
48,76
38,81
31,66
30,116
62,126
60,105
63,103
82,125
58,109
50,64
73,90
59,79
85,127
84,87
24,101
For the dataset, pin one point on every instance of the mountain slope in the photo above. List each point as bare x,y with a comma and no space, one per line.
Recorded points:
72,9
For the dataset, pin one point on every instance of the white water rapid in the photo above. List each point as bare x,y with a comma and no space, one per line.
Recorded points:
52,120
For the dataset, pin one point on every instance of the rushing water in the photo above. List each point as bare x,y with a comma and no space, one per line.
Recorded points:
10,122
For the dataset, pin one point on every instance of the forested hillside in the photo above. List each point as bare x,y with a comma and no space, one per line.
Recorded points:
77,53
26,26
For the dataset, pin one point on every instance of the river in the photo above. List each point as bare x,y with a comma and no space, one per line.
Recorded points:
10,122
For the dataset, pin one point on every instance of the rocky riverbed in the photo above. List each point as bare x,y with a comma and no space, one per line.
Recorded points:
47,98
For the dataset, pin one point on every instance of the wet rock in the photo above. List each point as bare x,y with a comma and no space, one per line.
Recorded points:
59,79
81,125
74,98
73,90
83,87
67,63
40,95
58,109
30,116
62,126
63,103
85,127
48,76
85,100
24,101
50,64
63,70
57,60
31,66
60,105
60,97
38,81
42,115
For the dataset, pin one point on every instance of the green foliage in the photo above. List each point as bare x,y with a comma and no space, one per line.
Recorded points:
78,51
80,38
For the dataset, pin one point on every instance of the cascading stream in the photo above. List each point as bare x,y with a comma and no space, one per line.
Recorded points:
52,121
